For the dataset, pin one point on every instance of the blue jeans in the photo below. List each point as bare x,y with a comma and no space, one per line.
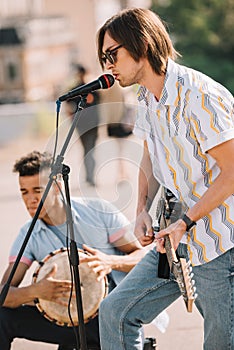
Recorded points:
142,295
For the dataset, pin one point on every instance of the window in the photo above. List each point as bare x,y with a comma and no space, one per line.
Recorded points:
12,72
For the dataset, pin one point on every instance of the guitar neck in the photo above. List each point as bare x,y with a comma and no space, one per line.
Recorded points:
170,252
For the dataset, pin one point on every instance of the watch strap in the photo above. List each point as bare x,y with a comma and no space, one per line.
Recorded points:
189,223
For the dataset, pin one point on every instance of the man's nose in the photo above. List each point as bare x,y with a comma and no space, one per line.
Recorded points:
109,65
32,198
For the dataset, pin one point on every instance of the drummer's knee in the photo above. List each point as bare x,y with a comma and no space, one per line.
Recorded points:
4,315
5,323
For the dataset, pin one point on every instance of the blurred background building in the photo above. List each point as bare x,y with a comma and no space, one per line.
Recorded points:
41,39
34,59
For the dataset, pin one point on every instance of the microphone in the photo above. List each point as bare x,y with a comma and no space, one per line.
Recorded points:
105,81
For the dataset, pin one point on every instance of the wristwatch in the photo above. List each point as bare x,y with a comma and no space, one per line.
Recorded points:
189,223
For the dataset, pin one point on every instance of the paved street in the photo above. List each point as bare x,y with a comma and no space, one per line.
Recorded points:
184,330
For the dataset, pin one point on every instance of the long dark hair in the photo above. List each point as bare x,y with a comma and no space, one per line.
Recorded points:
143,34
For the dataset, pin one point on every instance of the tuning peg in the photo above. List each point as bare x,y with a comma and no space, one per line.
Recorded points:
189,264
191,275
193,284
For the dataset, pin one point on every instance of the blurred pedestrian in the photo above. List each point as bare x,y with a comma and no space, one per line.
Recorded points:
88,121
118,116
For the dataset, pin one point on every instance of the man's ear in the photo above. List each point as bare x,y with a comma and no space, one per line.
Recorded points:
145,50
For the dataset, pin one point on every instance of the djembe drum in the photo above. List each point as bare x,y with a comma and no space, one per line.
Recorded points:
92,291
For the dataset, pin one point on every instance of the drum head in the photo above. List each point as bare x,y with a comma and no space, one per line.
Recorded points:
92,291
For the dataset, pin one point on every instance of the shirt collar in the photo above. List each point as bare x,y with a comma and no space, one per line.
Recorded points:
39,225
170,93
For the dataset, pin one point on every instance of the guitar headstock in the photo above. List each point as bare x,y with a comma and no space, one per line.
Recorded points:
189,289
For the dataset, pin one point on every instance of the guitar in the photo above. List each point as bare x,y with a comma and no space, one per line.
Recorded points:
181,269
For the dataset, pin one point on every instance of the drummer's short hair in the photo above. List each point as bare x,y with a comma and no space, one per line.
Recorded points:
33,163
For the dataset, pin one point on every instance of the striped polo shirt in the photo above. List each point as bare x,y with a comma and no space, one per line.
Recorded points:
193,115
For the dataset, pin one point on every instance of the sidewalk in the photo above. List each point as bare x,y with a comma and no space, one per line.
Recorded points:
184,330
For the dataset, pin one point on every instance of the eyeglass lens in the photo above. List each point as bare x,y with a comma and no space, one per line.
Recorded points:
111,55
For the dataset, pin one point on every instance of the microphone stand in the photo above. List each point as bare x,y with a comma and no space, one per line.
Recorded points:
58,168
74,258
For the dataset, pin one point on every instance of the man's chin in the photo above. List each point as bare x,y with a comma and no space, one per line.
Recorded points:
124,83
33,213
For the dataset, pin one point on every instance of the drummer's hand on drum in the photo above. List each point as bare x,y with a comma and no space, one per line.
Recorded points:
49,288
143,228
98,261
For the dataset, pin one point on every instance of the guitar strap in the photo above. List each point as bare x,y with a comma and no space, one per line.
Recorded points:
163,266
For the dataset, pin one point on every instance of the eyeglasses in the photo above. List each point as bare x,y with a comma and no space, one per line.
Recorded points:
111,55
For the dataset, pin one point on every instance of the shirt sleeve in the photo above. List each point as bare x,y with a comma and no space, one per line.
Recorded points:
212,116
122,224
115,222
27,256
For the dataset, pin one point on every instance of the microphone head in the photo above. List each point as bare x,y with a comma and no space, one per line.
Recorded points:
106,81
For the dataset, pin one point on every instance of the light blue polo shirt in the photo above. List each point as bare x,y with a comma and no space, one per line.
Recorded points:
97,223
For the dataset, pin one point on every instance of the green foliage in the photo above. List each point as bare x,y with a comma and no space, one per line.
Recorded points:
202,31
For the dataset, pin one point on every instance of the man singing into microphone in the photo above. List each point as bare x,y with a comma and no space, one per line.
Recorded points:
186,121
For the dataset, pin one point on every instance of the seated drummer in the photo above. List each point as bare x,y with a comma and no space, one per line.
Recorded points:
99,228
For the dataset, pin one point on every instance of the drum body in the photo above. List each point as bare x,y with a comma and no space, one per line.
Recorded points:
92,291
